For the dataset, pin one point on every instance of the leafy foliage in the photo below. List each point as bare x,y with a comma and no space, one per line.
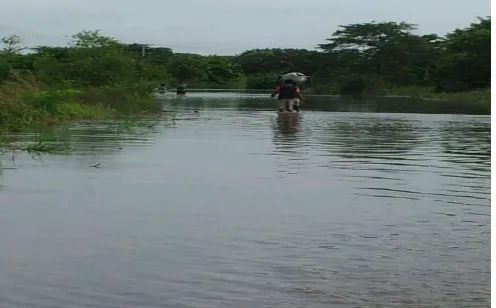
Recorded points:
357,58
465,61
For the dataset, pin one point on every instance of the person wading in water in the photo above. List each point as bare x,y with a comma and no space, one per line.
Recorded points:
289,96
181,88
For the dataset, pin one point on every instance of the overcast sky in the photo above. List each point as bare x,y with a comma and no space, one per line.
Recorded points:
224,26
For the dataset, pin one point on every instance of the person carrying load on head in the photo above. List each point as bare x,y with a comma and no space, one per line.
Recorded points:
289,96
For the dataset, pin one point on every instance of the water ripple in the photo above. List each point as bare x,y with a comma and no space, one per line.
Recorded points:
233,206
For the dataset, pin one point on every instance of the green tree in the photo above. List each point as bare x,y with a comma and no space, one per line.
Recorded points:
12,62
12,44
357,58
276,60
377,47
93,60
465,61
92,39
187,67
221,69
369,54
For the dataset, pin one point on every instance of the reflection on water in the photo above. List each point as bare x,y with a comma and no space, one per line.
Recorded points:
288,124
228,206
368,137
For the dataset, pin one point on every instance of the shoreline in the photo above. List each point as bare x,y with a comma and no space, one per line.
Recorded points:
27,106
397,94
470,103
484,94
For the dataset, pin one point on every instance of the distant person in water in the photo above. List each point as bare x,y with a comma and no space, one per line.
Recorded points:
181,88
289,96
162,88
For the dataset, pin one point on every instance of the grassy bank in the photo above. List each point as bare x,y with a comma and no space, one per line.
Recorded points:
407,99
427,101
26,104
475,96
418,99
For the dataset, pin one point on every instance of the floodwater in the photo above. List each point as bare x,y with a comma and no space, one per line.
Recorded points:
223,204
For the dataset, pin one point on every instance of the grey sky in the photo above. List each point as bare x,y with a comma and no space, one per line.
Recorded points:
224,26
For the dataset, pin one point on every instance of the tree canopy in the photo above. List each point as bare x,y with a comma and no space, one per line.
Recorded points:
354,58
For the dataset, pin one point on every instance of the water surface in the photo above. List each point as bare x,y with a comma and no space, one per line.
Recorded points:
232,206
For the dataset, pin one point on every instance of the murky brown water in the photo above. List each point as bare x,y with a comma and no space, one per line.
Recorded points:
233,207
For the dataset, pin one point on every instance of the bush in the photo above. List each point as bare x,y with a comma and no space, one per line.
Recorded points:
50,100
358,85
262,81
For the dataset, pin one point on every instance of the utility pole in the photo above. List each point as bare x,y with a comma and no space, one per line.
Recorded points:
143,49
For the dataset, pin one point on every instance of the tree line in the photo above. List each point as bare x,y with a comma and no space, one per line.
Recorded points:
356,58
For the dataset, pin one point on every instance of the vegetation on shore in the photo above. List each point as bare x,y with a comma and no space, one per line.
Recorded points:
94,78
99,77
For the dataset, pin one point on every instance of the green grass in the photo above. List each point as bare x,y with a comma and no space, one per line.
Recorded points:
125,99
25,104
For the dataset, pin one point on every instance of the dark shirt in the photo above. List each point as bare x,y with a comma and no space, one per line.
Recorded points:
287,91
